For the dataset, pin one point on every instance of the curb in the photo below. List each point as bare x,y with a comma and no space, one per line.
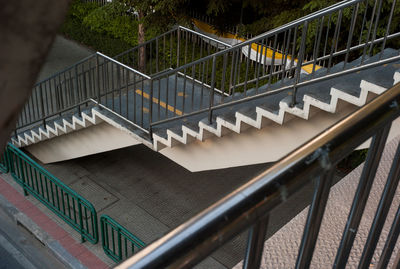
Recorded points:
53,245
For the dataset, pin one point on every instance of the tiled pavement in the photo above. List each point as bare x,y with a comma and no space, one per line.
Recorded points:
280,250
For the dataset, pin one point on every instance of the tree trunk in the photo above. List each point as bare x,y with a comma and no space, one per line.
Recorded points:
141,40
27,30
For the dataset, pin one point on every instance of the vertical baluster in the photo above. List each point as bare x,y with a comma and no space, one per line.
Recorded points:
387,29
214,60
315,215
350,37
382,211
272,60
361,196
255,244
224,65
375,27
390,244
335,40
247,69
369,32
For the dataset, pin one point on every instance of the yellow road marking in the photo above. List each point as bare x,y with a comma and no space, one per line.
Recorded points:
269,53
181,94
162,104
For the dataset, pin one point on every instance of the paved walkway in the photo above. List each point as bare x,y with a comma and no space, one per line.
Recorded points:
46,221
280,251
63,54
148,194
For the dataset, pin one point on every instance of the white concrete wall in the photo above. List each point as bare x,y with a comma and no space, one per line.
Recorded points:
95,139
258,146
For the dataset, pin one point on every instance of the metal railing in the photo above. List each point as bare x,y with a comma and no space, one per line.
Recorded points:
249,206
182,73
4,163
71,207
73,90
170,50
118,243
114,82
327,36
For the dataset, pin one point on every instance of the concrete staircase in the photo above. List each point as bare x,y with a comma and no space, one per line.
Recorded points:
210,109
355,89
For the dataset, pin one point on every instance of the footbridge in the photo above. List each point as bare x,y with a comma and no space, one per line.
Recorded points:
198,101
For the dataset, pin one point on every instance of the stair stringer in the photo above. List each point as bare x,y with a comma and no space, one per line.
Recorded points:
220,125
63,127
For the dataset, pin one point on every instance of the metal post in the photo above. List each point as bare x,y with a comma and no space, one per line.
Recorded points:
391,243
151,108
98,81
178,47
314,218
212,90
387,29
361,196
382,211
42,106
77,100
255,244
300,62
350,38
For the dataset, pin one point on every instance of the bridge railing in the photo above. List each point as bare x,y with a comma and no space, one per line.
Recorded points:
249,207
182,73
118,243
170,50
97,77
310,45
71,207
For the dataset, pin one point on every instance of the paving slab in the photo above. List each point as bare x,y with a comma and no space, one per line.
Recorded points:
280,250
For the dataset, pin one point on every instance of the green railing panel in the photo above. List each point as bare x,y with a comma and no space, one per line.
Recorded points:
118,243
4,162
76,211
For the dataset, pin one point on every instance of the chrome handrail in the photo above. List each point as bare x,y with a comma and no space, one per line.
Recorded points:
249,206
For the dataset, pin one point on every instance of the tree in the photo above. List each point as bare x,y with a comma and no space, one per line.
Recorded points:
151,11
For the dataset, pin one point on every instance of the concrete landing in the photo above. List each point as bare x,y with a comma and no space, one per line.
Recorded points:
280,250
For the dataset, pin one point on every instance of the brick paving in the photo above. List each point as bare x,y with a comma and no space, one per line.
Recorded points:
73,246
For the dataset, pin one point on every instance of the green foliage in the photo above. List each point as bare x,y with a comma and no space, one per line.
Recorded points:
113,20
73,29
79,9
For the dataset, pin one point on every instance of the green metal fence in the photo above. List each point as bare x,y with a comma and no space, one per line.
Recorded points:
4,162
118,243
58,197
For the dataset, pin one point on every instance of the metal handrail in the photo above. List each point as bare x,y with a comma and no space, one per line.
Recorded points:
284,88
315,15
71,207
290,58
215,76
118,243
249,205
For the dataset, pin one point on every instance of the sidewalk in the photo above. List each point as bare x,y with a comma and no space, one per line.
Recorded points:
45,226
281,250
